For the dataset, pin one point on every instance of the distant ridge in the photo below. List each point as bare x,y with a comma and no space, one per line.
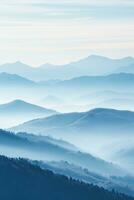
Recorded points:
91,65
23,107
14,80
126,69
19,111
99,119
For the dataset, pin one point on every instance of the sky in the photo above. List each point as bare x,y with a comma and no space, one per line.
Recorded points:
61,31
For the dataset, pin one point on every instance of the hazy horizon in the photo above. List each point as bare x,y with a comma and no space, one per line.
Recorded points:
65,63
59,32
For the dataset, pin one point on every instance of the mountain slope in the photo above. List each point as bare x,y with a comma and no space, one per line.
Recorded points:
87,122
44,149
23,107
121,184
93,131
19,111
125,155
40,138
22,180
18,68
9,80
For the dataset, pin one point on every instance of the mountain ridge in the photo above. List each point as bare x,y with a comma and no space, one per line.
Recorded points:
89,65
18,111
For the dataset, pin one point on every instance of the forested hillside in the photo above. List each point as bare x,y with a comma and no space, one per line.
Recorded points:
21,180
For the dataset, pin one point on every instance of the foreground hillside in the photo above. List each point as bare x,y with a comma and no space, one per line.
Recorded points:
31,182
51,150
122,184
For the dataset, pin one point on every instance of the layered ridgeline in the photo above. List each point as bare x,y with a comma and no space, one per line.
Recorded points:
99,121
91,65
113,91
44,148
121,82
123,184
27,181
11,80
13,86
65,159
71,95
19,111
107,99
116,82
102,128
115,79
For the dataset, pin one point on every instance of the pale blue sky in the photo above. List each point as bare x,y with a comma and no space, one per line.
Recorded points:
60,31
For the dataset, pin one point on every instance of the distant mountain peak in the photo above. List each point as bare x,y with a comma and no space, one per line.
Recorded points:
18,62
19,101
46,65
128,58
90,65
98,56
19,111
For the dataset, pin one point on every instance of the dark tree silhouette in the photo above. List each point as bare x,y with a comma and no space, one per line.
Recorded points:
20,180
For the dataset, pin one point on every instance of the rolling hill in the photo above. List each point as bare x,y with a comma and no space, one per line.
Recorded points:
96,120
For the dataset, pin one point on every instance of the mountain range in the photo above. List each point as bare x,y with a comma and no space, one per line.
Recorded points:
91,65
67,121
77,94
